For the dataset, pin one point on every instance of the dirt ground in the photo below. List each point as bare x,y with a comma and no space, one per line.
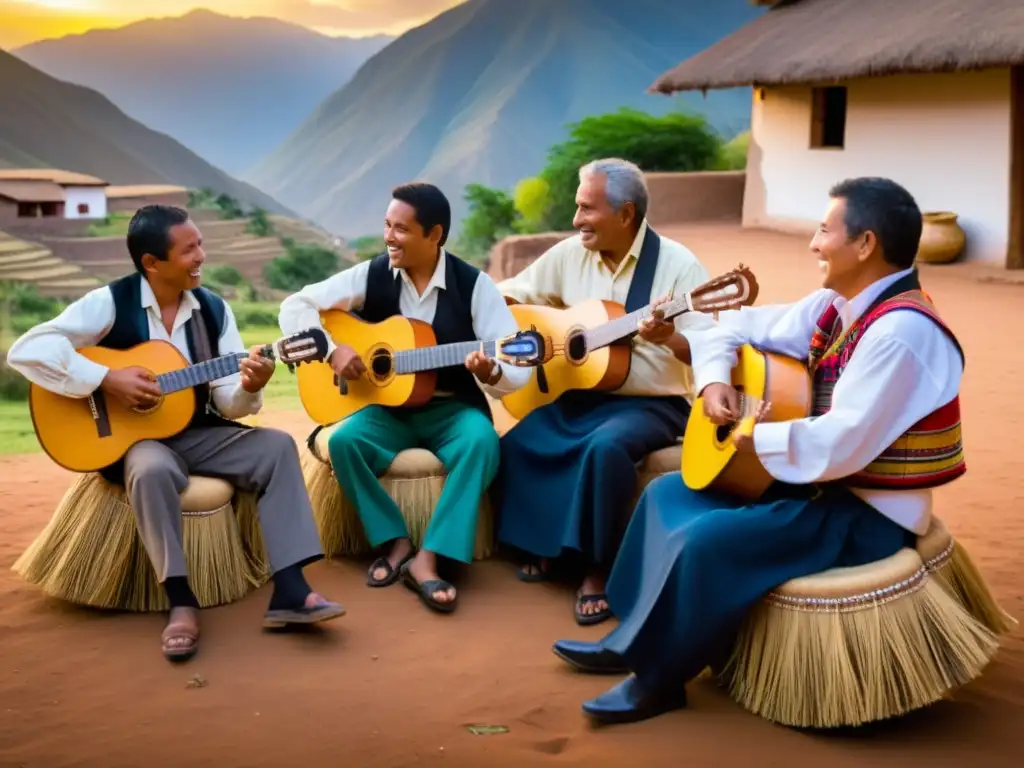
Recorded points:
391,684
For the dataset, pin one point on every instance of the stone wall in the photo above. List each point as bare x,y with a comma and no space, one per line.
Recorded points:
53,226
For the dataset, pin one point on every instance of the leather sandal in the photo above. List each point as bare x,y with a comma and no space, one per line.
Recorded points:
180,630
426,590
586,619
394,573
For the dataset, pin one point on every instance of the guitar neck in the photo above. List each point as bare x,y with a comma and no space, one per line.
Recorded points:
441,356
620,328
200,373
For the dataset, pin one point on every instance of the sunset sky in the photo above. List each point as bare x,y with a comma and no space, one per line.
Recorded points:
24,21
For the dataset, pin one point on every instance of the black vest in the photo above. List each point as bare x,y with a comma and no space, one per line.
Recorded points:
453,318
131,327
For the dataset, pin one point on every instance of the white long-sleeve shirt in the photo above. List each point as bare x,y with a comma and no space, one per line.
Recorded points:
46,355
346,290
904,368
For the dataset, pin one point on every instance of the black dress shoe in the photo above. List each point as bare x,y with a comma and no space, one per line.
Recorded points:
590,657
628,703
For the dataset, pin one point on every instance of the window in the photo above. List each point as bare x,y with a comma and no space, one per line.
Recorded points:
828,117
83,208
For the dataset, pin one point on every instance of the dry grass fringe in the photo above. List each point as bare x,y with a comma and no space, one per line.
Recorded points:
90,553
341,530
954,570
825,667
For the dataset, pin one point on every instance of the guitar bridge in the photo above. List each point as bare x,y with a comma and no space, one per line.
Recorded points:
100,415
341,383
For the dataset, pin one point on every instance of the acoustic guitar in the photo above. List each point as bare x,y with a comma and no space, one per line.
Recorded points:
91,433
710,459
595,352
402,358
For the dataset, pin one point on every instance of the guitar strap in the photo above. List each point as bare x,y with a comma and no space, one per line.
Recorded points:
642,284
199,349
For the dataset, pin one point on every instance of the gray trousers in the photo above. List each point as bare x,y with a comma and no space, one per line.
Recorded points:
261,460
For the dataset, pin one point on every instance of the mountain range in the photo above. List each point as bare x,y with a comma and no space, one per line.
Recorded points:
479,94
47,123
229,89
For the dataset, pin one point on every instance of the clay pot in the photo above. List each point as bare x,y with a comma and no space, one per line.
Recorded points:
942,239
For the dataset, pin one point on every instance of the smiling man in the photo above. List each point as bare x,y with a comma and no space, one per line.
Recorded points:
854,480
417,278
568,470
163,300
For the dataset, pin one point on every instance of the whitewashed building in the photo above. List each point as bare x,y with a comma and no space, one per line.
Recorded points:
47,192
927,92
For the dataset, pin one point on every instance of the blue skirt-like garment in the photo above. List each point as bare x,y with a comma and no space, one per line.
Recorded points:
567,476
692,564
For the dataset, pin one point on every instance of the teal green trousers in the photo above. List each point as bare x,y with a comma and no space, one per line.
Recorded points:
463,439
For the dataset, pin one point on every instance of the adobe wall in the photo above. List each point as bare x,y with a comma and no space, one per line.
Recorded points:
680,198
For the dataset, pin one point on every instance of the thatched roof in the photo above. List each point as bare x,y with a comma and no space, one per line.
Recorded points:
31,191
804,41
54,175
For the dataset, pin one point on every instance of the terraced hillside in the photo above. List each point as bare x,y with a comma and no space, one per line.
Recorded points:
29,262
225,242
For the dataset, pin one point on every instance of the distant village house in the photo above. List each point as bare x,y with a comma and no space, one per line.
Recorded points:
35,195
927,92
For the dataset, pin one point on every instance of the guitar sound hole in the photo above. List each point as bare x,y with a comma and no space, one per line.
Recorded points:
722,431
576,349
381,365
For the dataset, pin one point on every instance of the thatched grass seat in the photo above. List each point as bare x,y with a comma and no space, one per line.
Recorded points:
853,645
414,481
90,553
947,560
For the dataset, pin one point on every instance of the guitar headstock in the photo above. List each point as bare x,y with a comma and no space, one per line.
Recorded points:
306,346
524,349
736,288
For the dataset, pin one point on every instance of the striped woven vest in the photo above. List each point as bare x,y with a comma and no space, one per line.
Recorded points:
928,454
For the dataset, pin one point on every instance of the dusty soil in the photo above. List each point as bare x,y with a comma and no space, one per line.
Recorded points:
392,685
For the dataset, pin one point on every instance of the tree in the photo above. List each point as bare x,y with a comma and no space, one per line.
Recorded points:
492,216
304,263
367,246
259,223
674,142
532,199
229,207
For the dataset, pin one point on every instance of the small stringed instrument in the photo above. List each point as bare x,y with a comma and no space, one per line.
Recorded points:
89,434
402,358
590,355
710,459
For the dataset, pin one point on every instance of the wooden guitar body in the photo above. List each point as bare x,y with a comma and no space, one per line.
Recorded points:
319,389
79,440
602,369
710,460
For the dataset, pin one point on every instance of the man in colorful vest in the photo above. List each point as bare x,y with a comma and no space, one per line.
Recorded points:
419,279
163,300
851,486
568,473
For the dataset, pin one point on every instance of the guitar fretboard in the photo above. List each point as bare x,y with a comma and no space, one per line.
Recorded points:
622,327
441,356
200,373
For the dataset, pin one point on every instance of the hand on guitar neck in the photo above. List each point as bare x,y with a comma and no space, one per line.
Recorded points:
347,364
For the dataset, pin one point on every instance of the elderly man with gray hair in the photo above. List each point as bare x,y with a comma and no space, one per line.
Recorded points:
567,478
